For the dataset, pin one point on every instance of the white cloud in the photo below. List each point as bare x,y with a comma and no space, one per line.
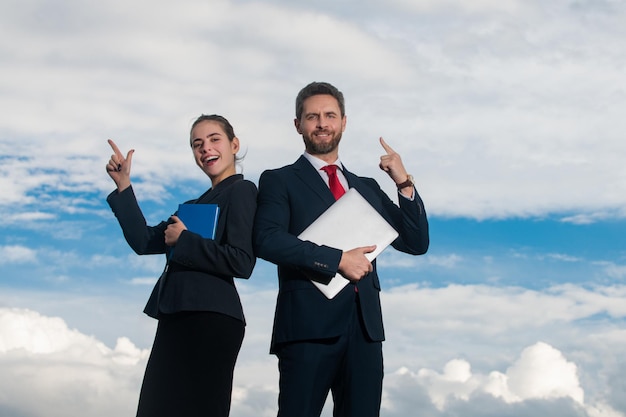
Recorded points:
540,373
68,372
589,218
496,106
150,264
17,254
28,332
391,258
563,257
446,261
603,410
149,281
456,380
613,270
479,6
599,300
483,339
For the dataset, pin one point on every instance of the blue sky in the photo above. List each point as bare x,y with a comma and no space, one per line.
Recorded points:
508,113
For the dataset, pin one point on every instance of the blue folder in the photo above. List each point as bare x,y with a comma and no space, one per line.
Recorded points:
200,218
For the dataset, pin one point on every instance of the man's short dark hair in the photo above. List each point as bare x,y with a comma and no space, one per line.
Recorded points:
316,88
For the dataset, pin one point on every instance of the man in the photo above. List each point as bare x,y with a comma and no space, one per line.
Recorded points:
329,344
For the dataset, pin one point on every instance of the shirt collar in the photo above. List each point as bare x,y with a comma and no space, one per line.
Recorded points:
318,164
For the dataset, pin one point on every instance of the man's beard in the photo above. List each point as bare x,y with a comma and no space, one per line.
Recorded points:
316,148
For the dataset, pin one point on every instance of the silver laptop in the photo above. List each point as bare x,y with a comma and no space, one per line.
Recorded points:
349,223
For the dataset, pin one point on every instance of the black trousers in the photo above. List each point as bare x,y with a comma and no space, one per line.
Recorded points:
190,369
350,366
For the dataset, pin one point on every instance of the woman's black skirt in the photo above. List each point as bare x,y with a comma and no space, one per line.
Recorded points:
190,369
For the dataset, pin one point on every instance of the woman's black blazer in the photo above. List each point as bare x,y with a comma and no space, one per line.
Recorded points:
199,272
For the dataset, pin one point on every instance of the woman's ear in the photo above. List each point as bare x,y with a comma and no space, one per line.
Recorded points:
235,145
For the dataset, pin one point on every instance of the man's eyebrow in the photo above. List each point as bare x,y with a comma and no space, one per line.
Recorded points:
317,113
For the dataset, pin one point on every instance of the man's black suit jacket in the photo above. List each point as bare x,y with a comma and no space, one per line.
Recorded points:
200,271
290,199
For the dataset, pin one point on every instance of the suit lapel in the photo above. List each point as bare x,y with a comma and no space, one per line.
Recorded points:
361,186
353,180
213,194
312,180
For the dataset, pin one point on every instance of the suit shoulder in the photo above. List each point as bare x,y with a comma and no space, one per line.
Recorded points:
243,191
279,170
245,186
367,181
276,174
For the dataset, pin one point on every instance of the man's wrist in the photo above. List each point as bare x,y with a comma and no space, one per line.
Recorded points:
408,183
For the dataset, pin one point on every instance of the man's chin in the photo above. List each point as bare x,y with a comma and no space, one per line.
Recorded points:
318,151
322,149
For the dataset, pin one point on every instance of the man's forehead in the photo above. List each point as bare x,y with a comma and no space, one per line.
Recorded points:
321,103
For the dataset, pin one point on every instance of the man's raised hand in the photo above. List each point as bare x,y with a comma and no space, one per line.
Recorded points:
392,164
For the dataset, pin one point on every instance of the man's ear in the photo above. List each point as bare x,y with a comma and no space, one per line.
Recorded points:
296,123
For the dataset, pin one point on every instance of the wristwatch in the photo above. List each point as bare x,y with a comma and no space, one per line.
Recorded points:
408,183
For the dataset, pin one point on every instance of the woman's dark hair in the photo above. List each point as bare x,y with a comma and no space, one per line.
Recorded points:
228,128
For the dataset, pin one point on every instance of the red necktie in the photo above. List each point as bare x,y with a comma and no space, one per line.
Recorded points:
333,181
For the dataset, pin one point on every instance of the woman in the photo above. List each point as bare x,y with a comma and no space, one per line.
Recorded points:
201,321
